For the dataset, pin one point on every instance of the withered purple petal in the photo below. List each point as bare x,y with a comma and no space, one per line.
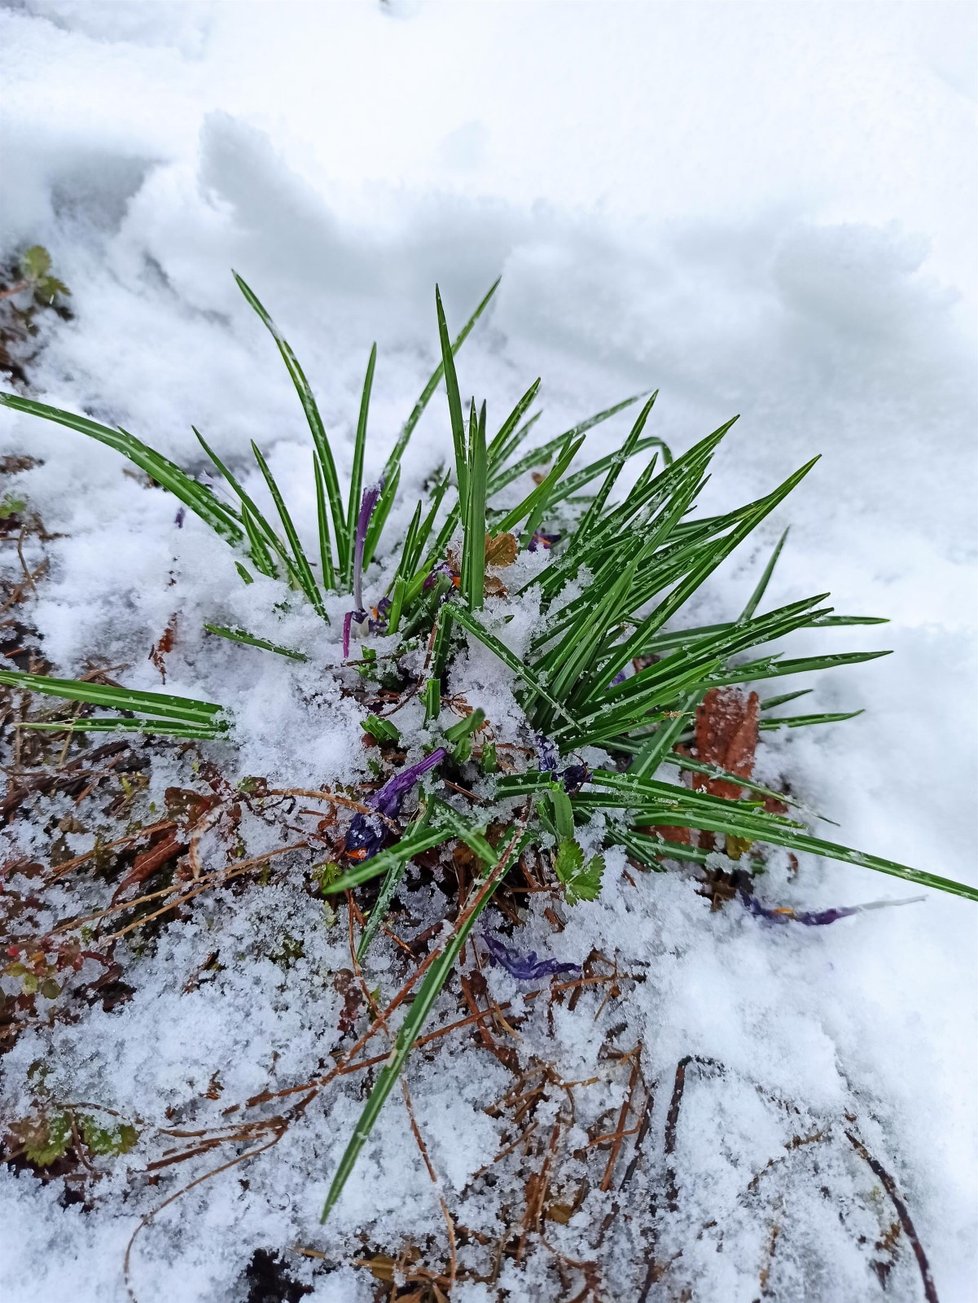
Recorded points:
442,568
540,540
574,777
366,834
547,752
388,798
525,968
817,917
348,619
364,837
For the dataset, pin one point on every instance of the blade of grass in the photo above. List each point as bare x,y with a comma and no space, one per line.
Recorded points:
703,567
315,421
536,456
392,880
474,520
252,640
680,807
257,550
356,476
325,546
259,531
596,507
429,990
397,452
306,578
415,840
379,518
762,583
802,721
537,500
162,704
108,724
773,667
770,702
492,643
197,497
504,440
392,467
658,748
454,406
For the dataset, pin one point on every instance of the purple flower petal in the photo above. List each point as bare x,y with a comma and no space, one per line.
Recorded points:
818,917
378,617
442,568
388,798
348,619
367,504
542,541
574,777
365,836
547,753
525,968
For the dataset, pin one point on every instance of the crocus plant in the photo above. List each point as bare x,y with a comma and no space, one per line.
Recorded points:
615,669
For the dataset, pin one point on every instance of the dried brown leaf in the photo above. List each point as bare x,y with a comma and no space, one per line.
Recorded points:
726,736
164,645
500,550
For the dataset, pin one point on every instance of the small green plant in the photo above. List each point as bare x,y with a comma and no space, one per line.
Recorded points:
47,1137
612,668
36,276
11,506
27,289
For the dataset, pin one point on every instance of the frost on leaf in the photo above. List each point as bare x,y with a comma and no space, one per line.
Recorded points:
45,1139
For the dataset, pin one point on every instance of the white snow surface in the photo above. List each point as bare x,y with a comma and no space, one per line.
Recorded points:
758,208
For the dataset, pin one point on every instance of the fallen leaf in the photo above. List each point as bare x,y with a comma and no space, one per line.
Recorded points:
726,736
501,550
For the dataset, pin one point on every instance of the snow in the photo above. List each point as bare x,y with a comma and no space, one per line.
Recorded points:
759,208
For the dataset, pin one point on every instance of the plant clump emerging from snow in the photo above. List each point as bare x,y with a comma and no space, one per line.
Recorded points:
576,594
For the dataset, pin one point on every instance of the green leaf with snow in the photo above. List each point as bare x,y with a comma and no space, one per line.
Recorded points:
110,1141
581,881
47,1139
35,262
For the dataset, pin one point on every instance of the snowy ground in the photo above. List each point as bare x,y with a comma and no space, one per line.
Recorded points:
766,209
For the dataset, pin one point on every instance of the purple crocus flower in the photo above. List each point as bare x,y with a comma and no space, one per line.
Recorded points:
574,777
525,968
388,798
377,622
367,504
542,541
815,918
547,753
366,833
434,574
